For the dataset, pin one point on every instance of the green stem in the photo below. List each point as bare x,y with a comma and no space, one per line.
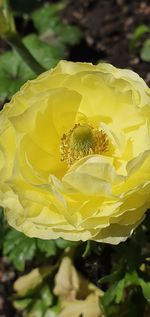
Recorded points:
10,34
14,40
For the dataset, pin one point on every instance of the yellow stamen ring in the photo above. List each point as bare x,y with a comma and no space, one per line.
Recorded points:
81,141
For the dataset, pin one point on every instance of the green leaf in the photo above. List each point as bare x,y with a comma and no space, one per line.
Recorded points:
21,303
137,35
52,312
132,279
129,279
14,71
12,75
145,289
109,295
68,34
47,296
114,294
116,275
38,309
119,291
47,246
47,19
63,244
45,54
87,250
145,51
19,248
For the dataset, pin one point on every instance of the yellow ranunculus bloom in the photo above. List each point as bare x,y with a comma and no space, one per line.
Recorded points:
75,154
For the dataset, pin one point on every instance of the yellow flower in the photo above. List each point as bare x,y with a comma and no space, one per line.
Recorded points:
75,154
77,296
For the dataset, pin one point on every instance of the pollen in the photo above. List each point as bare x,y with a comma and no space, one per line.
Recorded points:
81,141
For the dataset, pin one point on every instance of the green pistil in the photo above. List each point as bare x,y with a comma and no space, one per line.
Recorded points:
82,139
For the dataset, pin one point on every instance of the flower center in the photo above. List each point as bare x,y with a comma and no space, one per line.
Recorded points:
81,141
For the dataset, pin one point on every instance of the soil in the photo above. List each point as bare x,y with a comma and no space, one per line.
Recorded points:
108,27
7,277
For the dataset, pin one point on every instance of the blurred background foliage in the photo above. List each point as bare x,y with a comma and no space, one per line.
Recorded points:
48,41
83,31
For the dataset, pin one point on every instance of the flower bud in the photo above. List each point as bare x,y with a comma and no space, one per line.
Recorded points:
6,19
